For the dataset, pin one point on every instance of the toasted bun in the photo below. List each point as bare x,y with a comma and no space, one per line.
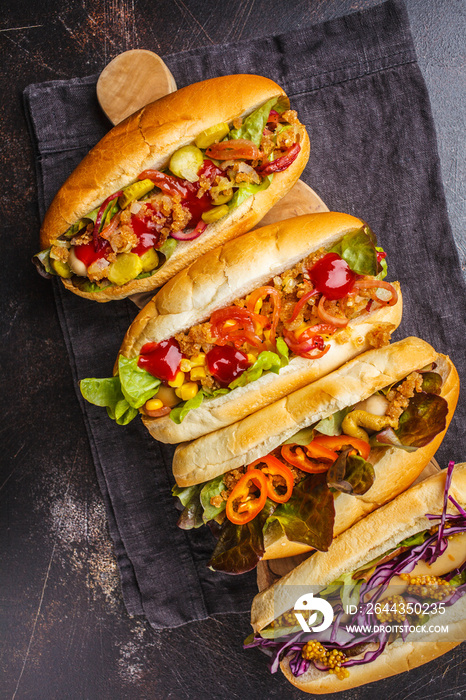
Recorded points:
368,539
147,139
395,470
223,275
263,431
397,658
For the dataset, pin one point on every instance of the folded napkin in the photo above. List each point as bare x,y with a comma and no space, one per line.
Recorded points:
357,87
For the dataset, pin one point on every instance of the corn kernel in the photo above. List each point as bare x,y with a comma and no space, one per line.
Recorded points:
197,373
228,323
251,358
185,365
267,334
154,404
198,360
258,306
187,391
178,381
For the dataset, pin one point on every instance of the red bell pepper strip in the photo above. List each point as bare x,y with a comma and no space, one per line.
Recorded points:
243,504
282,163
233,150
273,467
294,454
336,442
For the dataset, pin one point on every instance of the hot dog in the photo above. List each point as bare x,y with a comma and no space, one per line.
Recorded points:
401,564
247,323
181,176
327,455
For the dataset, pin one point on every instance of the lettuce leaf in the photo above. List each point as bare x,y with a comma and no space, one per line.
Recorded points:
41,262
309,515
388,438
212,488
359,251
180,412
332,424
137,385
431,382
383,264
243,193
267,361
350,473
191,516
241,547
302,437
107,393
422,420
253,125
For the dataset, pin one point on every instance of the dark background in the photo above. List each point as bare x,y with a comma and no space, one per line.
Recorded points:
64,630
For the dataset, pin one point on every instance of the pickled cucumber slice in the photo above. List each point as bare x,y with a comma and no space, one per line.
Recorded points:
61,268
149,260
185,163
220,197
135,191
215,214
214,133
126,267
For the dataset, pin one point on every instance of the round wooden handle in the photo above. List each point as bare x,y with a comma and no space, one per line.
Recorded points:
132,80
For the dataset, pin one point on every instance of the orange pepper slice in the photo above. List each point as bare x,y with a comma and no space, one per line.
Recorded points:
273,467
242,505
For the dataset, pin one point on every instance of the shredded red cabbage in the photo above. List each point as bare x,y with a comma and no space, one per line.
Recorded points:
337,636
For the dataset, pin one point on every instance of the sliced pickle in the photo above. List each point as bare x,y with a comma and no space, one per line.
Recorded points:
149,260
215,214
221,197
214,133
135,191
185,163
126,267
61,268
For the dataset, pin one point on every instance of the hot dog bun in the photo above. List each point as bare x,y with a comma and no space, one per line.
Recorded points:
218,278
147,139
365,541
261,432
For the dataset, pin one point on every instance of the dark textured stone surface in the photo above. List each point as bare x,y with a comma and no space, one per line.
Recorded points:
65,633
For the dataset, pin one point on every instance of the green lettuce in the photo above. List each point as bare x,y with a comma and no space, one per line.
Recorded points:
267,361
243,193
107,393
302,437
191,516
423,419
241,547
332,424
180,412
350,473
212,488
42,263
383,264
253,125
137,385
359,251
431,382
309,514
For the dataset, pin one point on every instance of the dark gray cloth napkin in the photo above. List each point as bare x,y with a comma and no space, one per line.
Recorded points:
357,87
